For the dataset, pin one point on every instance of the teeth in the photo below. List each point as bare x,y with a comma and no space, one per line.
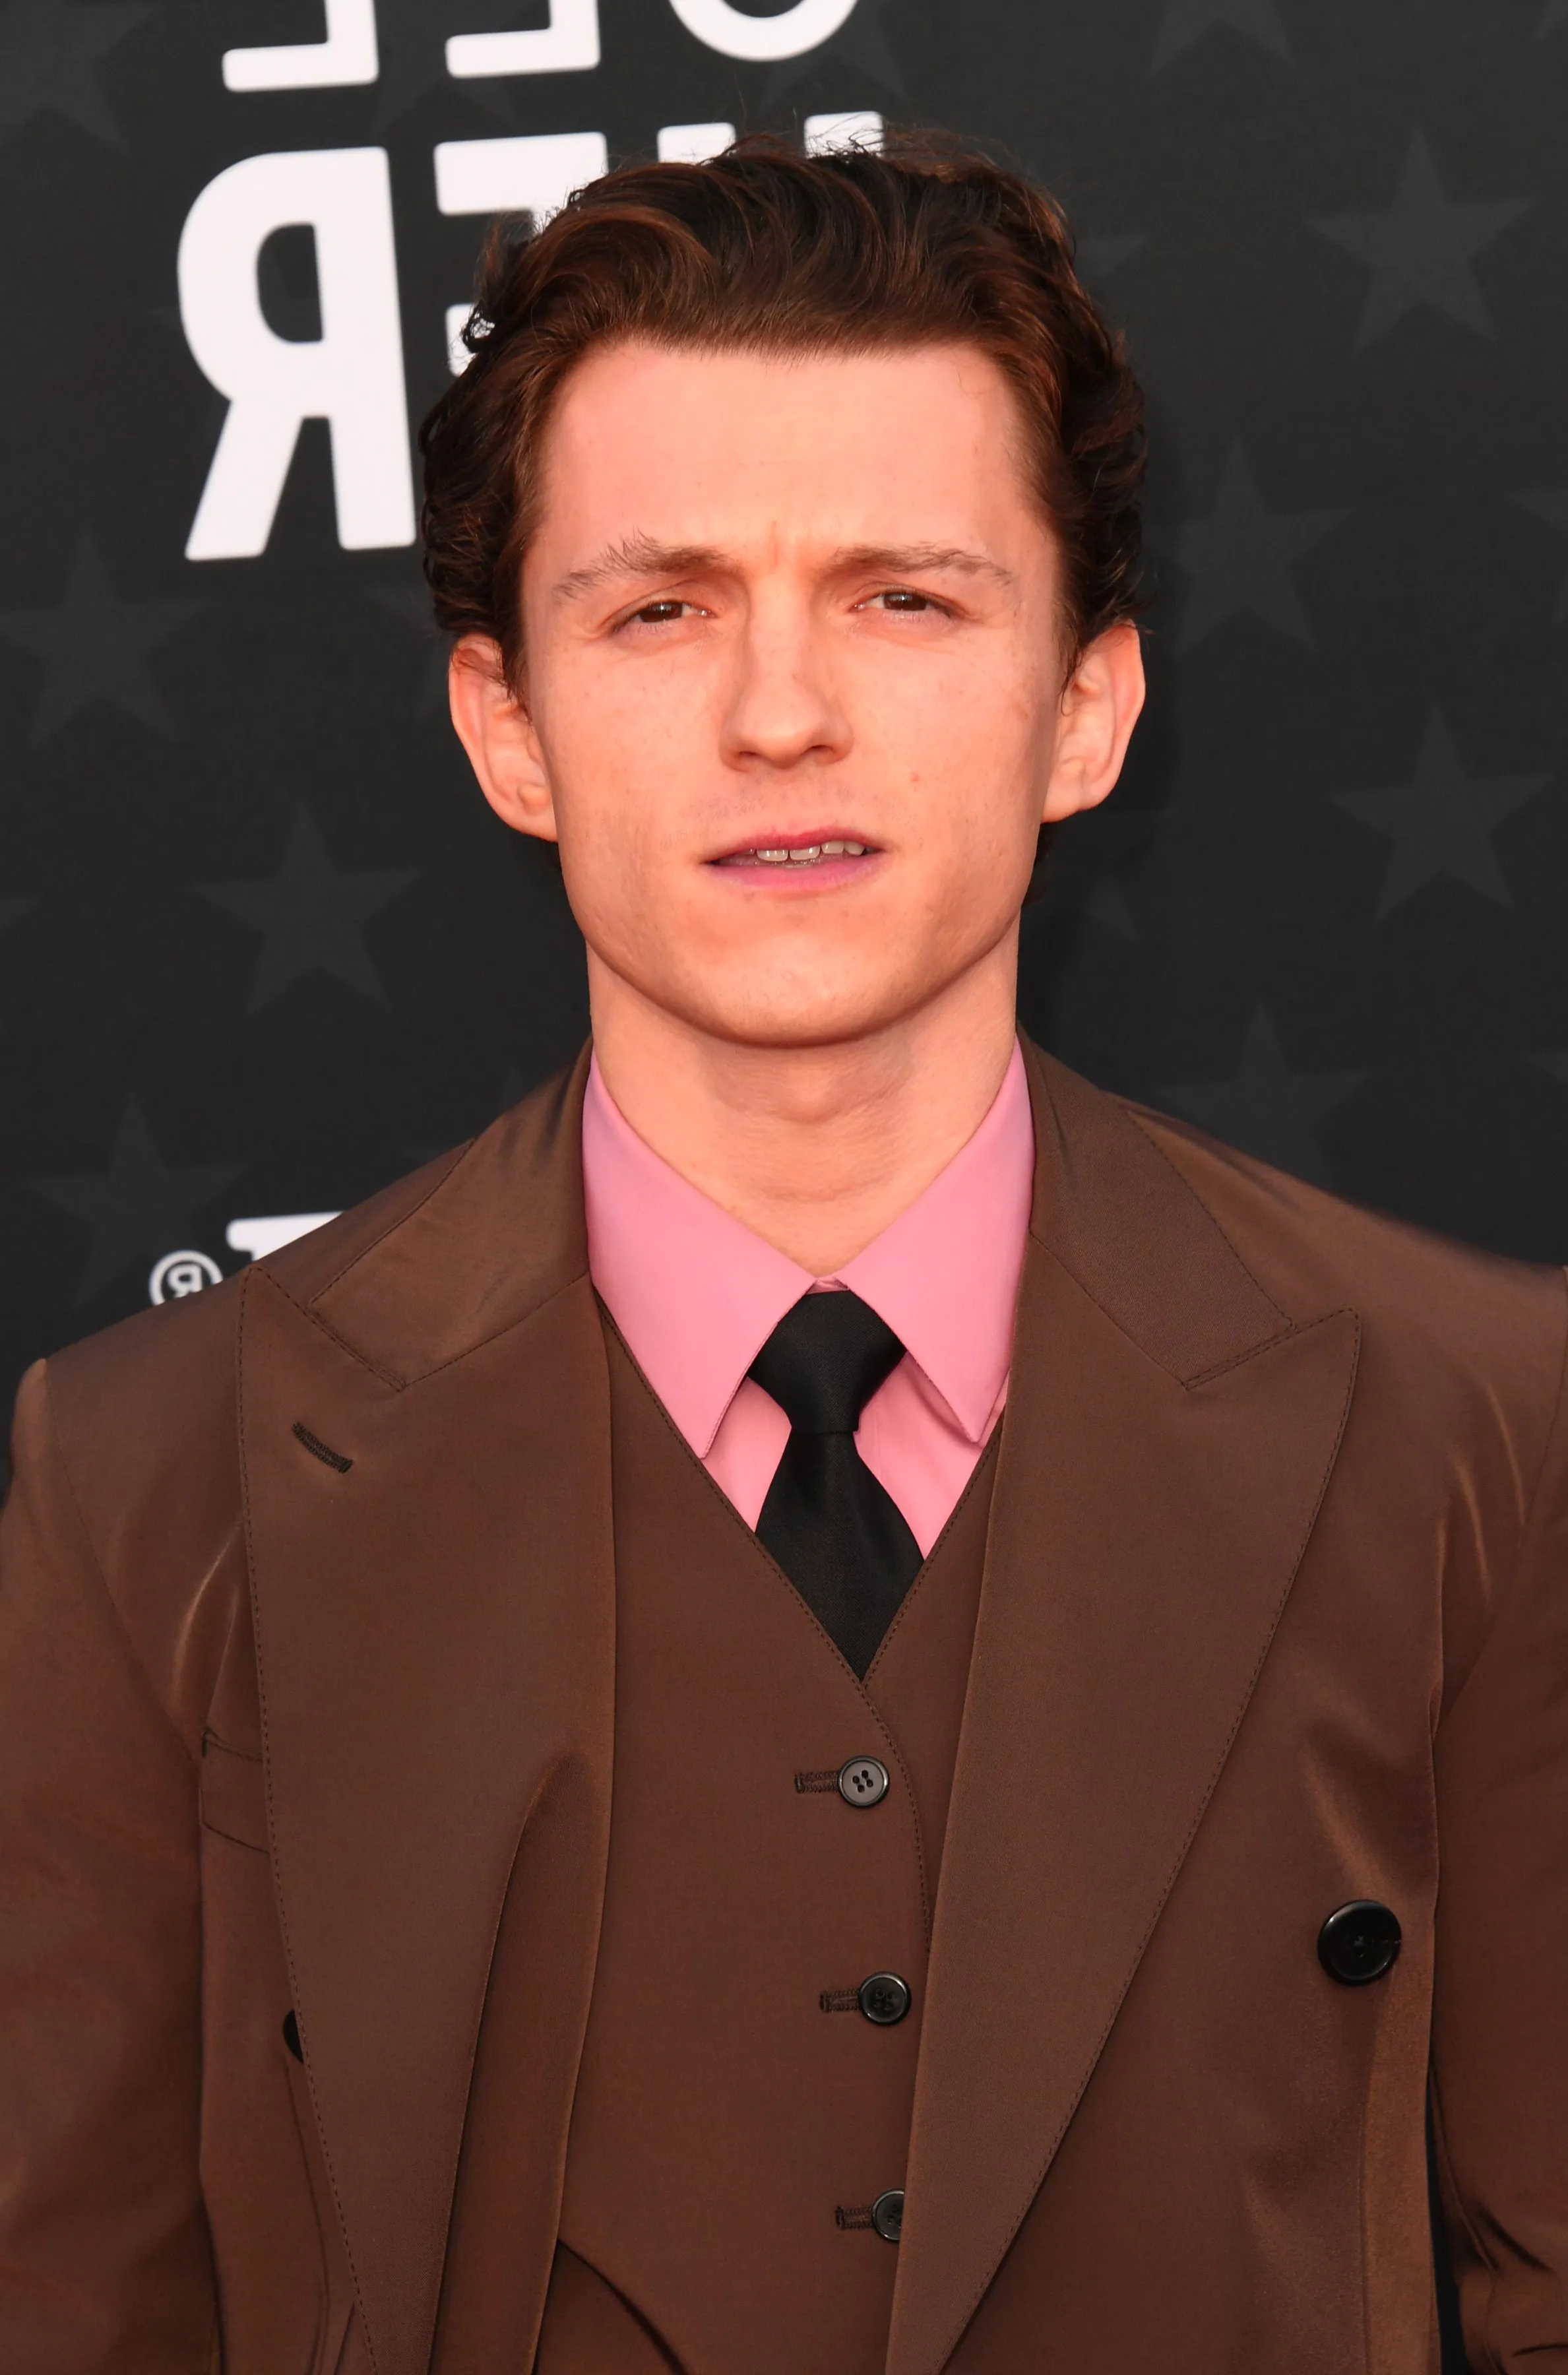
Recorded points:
807,856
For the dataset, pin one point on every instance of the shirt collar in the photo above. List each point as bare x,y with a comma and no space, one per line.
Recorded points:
696,1293
945,1274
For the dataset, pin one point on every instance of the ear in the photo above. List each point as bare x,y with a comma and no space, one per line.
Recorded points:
1099,709
498,733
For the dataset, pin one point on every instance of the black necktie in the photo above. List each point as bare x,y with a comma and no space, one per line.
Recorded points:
838,1534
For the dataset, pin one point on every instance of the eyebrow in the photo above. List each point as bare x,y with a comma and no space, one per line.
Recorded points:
637,556
913,560
643,556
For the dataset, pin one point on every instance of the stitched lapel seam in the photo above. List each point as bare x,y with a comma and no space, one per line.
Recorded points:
308,1311
1188,1379
459,1156
996,2099
1185,1185
1065,2122
278,1361
283,1925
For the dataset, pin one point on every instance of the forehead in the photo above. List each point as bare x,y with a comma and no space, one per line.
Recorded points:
703,446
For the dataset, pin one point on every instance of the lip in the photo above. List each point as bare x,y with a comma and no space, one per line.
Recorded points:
822,874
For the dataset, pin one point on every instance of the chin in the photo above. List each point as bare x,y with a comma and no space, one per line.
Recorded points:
780,1017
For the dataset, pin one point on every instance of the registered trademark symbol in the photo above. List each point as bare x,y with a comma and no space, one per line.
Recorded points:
181,1274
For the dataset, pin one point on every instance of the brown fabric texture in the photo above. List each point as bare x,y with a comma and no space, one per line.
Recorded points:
1274,1614
589,2329
723,2117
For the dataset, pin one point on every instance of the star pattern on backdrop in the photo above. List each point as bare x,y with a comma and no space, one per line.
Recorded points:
96,646
49,51
1186,21
861,41
1442,822
140,1208
310,914
1241,559
1423,251
1267,1109
1550,504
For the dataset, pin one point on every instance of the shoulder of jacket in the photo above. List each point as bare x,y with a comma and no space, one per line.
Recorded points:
158,1390
133,1434
307,1266
1457,1306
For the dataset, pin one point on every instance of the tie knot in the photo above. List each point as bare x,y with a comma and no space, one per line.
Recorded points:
825,1360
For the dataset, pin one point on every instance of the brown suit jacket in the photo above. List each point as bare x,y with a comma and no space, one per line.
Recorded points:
306,1700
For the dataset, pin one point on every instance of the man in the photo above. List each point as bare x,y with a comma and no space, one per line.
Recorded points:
832,1703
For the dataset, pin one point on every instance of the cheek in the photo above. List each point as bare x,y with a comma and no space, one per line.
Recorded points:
617,740
593,760
612,770
979,765
977,715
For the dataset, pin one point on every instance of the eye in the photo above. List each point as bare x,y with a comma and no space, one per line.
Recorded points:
662,613
903,598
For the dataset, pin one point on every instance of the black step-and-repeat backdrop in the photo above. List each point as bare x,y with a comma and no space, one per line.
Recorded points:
262,947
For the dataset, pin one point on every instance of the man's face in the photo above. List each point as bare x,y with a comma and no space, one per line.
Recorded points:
794,705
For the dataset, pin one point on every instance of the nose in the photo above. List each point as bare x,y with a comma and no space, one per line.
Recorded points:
784,709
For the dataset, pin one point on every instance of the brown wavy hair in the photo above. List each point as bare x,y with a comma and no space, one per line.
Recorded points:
770,251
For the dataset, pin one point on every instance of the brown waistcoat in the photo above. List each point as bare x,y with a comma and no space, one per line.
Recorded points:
724,2120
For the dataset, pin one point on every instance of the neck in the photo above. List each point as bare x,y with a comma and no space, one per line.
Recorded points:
816,1149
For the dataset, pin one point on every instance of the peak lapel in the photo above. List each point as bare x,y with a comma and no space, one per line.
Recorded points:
1168,1437
435,1626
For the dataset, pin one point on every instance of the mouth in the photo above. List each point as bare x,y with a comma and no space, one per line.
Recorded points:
787,855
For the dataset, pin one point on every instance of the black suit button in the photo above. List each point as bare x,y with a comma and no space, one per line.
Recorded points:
887,2215
1360,1943
885,1998
862,1782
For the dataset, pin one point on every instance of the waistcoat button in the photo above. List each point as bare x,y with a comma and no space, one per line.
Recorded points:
862,1782
887,2215
884,1998
1360,1943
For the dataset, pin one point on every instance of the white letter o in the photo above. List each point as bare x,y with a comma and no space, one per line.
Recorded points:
758,39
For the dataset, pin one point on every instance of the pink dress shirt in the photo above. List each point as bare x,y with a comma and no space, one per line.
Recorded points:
696,1295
